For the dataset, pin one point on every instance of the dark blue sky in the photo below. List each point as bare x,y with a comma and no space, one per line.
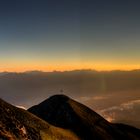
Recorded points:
69,34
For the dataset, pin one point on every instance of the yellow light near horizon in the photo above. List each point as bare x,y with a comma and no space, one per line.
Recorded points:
109,67
65,67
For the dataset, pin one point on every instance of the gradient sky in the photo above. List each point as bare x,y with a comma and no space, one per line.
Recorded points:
69,34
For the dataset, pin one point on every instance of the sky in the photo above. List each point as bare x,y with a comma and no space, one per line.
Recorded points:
64,35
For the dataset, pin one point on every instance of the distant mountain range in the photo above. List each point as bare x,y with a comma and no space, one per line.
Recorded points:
59,118
73,83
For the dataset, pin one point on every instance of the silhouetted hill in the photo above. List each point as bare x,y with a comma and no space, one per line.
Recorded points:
64,112
19,124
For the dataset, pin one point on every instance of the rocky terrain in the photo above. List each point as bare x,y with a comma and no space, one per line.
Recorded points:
59,118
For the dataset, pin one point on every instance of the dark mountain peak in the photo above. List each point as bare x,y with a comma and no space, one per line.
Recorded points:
66,113
56,110
58,98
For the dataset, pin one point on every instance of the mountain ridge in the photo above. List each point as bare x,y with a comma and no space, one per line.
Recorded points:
61,111
19,124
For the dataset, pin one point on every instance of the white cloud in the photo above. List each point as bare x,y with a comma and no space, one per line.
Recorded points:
124,106
22,107
87,98
127,112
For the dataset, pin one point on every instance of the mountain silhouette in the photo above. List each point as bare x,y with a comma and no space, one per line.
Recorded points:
61,111
19,124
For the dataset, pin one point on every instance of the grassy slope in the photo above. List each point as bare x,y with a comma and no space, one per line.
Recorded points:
18,124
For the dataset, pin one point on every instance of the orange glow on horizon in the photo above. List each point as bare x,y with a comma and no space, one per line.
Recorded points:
67,67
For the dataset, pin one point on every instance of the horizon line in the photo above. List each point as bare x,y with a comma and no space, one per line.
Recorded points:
28,71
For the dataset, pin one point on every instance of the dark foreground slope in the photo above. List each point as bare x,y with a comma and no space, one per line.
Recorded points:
18,124
64,112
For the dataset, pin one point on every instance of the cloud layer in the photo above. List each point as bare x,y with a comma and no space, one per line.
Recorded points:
127,112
